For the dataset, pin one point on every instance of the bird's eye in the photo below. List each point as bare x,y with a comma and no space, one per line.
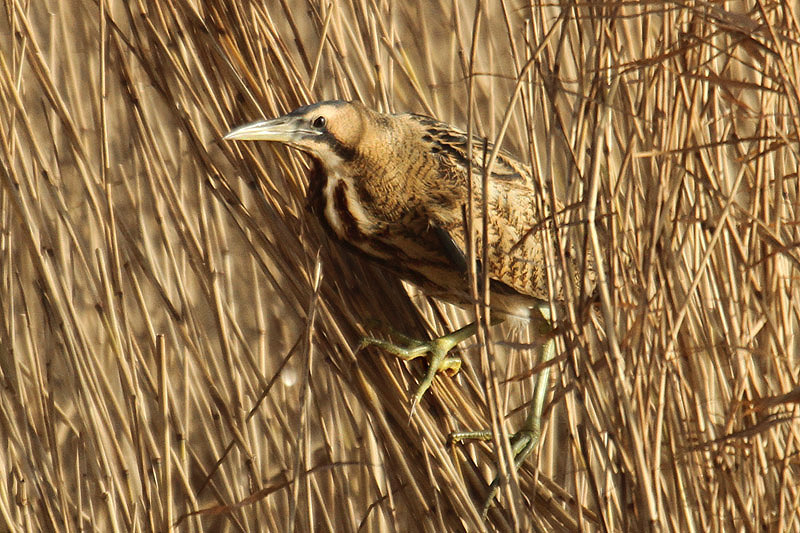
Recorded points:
319,122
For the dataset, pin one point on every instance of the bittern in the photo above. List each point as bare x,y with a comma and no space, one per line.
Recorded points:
394,188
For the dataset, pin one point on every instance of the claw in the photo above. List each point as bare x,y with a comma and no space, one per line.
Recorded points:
460,437
414,401
524,441
435,350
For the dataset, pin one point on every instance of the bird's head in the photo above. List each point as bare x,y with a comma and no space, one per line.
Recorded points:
331,131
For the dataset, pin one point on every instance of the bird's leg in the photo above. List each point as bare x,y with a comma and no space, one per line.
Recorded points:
435,349
525,440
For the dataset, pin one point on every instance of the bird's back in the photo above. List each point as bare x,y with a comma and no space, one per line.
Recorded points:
517,228
406,193
395,188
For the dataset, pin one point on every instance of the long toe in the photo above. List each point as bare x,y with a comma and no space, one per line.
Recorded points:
435,350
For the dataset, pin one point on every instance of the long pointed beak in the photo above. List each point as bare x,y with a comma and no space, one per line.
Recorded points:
281,129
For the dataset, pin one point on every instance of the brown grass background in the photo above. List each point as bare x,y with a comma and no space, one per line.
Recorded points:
176,335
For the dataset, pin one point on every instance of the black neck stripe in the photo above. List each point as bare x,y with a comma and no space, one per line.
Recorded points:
345,152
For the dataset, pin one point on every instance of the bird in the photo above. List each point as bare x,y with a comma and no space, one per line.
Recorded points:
394,188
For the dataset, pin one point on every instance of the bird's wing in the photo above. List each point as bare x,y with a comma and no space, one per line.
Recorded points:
451,249
451,144
516,229
514,259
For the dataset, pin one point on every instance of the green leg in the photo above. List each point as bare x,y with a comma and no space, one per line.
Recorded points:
524,441
436,350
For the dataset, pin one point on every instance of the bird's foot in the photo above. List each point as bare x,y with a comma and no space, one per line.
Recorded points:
435,350
524,441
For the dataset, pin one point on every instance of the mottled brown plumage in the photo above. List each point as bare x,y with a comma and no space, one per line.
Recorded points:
395,187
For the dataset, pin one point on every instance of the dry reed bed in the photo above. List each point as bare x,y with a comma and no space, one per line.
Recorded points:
176,334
